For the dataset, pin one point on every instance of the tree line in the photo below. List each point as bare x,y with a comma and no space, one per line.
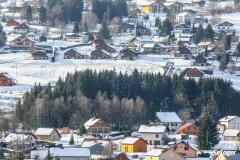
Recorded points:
124,100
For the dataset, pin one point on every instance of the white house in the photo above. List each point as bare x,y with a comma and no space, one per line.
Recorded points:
231,135
228,122
154,135
224,26
169,119
185,17
74,37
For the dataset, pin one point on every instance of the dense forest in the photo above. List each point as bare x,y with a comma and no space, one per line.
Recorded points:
124,100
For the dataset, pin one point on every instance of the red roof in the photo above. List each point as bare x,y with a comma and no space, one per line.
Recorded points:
12,22
194,72
184,127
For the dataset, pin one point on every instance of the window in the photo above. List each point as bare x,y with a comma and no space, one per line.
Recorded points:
175,147
186,148
157,136
183,154
156,142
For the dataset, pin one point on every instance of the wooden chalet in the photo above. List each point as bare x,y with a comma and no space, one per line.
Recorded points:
22,41
200,60
96,125
128,54
73,54
39,55
5,80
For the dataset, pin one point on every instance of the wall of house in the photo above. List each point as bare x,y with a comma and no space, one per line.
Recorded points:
145,9
234,124
152,137
171,155
71,158
126,148
231,138
140,146
54,136
184,150
151,158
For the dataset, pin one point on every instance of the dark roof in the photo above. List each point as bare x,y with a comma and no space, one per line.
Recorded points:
22,26
184,50
225,23
182,26
194,72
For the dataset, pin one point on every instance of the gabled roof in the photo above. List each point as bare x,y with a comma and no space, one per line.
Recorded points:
70,152
91,122
167,117
22,26
18,136
22,38
194,72
131,140
186,144
225,23
186,125
45,131
152,129
156,152
227,118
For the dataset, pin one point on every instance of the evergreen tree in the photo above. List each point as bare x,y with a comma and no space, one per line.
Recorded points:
76,10
207,136
1,153
3,18
200,34
209,33
104,31
3,37
29,13
166,27
49,155
82,129
42,14
76,28
71,142
157,22
238,50
224,60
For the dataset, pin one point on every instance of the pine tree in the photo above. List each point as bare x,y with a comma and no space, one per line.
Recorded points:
104,31
82,129
71,142
1,153
29,13
42,14
3,18
76,28
166,27
49,155
209,33
200,34
3,37
207,136
238,50
157,22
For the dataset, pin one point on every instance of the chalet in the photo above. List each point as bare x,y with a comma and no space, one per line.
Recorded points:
185,17
128,54
231,135
175,7
200,60
154,153
170,154
100,54
74,37
134,42
203,45
153,48
188,128
228,122
99,44
151,6
20,141
22,42
123,27
194,73
184,150
133,144
12,23
96,125
154,135
183,52
42,38
73,54
22,28
33,36
181,28
47,134
169,119
39,55
120,156
214,50
5,80
103,147
224,27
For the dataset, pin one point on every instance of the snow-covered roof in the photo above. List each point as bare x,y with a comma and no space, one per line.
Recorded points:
91,122
231,132
16,137
70,152
192,45
227,118
154,152
204,43
44,131
130,140
182,14
166,117
148,45
152,129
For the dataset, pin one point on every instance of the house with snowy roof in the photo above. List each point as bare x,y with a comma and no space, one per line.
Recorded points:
184,149
169,119
20,141
231,135
22,28
185,17
228,122
133,144
96,126
47,134
154,135
224,27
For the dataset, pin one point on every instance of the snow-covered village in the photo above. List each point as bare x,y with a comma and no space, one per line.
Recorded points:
119,79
